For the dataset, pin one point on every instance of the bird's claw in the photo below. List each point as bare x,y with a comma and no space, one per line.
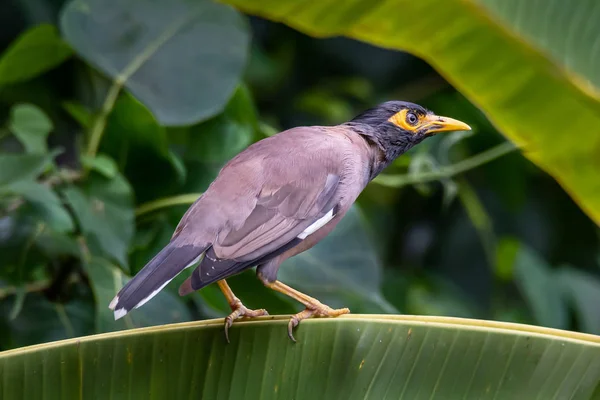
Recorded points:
240,311
313,310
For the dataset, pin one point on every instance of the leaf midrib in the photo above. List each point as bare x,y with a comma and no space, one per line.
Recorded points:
153,46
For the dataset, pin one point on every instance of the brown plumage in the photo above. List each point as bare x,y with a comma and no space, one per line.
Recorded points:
277,198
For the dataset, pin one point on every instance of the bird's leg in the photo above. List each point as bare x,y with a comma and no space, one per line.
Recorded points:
238,309
314,308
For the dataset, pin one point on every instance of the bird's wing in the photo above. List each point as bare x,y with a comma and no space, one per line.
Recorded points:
280,214
280,220
296,194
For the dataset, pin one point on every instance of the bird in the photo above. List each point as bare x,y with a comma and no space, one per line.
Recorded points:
277,198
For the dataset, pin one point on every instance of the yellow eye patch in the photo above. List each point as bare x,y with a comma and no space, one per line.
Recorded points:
400,119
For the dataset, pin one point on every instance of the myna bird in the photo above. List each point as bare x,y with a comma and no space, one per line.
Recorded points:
278,198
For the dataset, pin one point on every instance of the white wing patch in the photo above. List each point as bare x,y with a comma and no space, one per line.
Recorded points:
318,224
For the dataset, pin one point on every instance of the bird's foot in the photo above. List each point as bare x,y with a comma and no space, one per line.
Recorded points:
316,309
240,311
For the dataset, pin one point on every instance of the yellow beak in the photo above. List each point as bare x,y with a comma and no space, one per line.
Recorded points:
435,124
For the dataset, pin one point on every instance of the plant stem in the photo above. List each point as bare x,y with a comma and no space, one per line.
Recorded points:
447,171
99,123
38,286
154,205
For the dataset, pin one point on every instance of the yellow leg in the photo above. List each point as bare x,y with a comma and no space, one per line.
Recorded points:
314,308
237,308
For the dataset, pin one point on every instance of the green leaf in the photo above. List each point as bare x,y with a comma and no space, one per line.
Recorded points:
221,138
22,167
31,126
134,138
79,113
106,280
36,51
342,270
104,210
102,164
541,289
46,202
506,255
54,244
516,60
42,321
181,59
351,357
583,289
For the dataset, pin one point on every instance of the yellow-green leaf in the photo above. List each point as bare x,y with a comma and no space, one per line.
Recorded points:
351,357
532,67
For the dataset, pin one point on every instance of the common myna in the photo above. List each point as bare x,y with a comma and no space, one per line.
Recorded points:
277,198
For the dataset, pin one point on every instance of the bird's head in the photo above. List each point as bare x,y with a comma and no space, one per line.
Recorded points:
396,126
407,121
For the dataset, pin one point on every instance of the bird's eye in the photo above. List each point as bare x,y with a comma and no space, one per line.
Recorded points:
411,118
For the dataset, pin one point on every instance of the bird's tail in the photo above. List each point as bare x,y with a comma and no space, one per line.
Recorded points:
161,270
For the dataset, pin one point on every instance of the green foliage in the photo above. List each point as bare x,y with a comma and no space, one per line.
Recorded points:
505,58
353,357
104,211
181,59
31,126
102,153
36,51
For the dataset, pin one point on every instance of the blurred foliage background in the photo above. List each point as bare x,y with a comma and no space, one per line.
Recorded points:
116,115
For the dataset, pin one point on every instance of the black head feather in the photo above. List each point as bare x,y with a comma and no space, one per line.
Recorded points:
374,125
382,113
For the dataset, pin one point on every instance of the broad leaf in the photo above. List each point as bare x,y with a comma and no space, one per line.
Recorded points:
533,73
583,290
46,203
104,210
351,357
22,167
53,244
31,126
140,146
219,139
342,270
102,164
182,59
541,289
207,146
43,321
34,52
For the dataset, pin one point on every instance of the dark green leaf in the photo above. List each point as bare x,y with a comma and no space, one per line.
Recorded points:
182,59
541,289
41,321
104,210
219,139
22,167
101,164
31,126
79,113
34,52
583,289
134,138
46,202
54,244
